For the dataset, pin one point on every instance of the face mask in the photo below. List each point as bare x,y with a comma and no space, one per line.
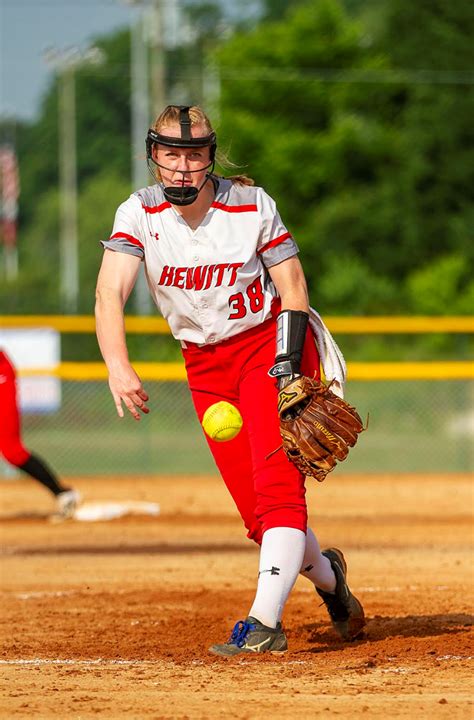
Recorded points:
184,194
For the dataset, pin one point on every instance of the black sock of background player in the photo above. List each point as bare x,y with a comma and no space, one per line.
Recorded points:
35,467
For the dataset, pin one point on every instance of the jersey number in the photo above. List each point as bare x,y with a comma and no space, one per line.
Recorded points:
254,294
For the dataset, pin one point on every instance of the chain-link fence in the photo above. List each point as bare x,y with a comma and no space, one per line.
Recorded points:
414,426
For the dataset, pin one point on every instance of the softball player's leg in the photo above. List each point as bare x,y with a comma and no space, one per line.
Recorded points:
208,368
13,450
327,571
11,446
236,460
228,368
218,373
280,497
280,490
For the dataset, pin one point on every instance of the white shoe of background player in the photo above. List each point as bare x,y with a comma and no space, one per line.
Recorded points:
66,503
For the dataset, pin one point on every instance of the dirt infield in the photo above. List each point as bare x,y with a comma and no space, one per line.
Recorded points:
113,619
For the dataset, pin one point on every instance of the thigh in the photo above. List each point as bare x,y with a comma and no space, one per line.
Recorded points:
279,487
9,415
274,476
233,458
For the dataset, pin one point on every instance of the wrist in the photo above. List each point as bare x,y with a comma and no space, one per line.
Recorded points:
291,335
284,372
118,367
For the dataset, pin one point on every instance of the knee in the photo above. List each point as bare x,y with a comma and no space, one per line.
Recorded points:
15,454
294,516
255,532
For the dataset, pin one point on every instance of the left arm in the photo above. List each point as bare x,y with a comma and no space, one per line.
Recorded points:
290,282
292,321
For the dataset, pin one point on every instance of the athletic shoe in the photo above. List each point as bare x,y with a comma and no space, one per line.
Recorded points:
251,636
66,503
346,612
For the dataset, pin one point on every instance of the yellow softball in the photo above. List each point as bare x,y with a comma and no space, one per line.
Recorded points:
222,421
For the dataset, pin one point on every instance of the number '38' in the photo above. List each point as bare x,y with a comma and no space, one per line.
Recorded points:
254,293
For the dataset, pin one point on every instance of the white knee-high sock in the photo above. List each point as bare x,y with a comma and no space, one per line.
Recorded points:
281,556
316,567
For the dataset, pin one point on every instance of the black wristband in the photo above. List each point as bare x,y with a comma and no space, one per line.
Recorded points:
291,335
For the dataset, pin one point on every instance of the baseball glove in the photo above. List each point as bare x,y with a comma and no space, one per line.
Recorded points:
317,427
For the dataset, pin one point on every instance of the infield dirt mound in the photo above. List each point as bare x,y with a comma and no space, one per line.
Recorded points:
113,619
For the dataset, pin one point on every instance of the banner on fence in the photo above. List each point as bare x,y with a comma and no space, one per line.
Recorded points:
35,348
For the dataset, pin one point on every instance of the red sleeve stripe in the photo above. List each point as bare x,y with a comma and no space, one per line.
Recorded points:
152,209
234,208
130,238
274,243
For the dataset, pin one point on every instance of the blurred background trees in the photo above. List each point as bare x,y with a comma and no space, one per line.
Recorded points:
356,116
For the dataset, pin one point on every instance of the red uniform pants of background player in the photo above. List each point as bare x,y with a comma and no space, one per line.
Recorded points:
11,446
268,492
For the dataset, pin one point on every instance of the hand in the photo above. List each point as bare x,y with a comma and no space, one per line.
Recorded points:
284,380
126,386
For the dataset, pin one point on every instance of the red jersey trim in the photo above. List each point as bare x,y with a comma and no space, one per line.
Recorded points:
130,238
152,209
274,243
234,208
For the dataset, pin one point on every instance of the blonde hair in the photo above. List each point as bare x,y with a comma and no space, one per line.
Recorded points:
170,116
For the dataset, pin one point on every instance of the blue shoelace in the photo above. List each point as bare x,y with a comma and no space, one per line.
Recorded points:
239,633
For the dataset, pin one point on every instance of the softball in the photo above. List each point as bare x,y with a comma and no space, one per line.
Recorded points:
222,421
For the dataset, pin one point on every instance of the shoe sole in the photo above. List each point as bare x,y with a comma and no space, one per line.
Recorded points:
245,652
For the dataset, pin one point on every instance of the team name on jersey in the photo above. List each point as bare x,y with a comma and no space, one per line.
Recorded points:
200,277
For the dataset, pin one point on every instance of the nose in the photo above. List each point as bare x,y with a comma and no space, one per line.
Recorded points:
183,163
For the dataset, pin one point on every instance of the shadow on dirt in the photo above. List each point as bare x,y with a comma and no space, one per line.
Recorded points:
382,628
118,549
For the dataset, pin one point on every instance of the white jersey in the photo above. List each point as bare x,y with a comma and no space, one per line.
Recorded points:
210,283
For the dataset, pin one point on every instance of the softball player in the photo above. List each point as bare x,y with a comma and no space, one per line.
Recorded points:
223,270
13,450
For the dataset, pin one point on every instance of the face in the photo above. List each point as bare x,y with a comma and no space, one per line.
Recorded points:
178,165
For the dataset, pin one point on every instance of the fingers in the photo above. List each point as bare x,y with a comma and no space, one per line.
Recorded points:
128,391
131,408
118,404
139,399
131,402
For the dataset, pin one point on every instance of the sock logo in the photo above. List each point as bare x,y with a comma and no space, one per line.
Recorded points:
308,568
274,571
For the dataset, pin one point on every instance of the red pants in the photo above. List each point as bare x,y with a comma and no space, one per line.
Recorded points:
11,446
268,492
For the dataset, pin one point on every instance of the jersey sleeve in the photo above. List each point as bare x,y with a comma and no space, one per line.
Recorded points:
126,232
275,243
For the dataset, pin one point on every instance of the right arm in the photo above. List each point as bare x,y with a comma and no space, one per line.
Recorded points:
117,277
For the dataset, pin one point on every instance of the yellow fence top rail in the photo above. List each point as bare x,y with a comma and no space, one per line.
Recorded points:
169,372
83,323
341,325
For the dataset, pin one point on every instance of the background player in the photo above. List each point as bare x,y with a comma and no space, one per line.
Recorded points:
223,270
13,450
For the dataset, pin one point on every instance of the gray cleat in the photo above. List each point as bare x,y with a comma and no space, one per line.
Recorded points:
346,612
251,636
